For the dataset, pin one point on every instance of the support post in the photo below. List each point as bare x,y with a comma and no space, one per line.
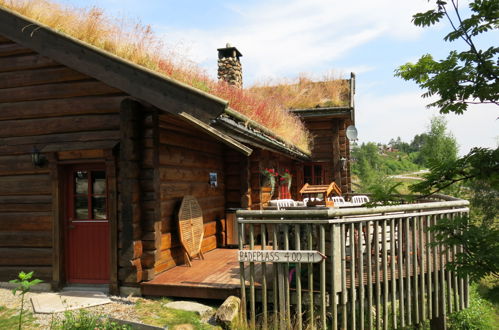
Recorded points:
130,242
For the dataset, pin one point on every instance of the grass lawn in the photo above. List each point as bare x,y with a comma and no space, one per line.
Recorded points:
154,312
9,319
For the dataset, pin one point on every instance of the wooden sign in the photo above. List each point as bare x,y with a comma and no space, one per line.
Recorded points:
280,256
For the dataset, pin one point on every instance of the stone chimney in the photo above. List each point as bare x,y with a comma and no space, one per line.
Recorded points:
229,66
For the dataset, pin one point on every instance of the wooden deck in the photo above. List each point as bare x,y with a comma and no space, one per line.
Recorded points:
216,277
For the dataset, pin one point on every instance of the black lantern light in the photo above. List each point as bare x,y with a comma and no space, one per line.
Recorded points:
36,158
343,163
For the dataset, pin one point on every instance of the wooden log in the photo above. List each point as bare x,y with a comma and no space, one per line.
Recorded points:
168,261
33,199
81,154
169,206
25,62
25,185
171,190
187,174
38,77
60,107
19,239
25,207
209,243
129,187
233,182
10,49
53,91
211,228
27,221
175,156
19,164
32,127
199,142
17,145
11,272
4,39
21,256
319,125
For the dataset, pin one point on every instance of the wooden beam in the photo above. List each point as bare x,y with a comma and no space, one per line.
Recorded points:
130,202
113,220
57,227
224,138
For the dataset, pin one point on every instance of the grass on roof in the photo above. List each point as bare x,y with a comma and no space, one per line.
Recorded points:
304,93
136,42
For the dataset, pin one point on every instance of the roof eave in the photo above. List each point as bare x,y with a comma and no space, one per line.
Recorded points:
163,92
329,112
257,138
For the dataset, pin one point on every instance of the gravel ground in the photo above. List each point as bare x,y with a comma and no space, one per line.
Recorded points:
120,307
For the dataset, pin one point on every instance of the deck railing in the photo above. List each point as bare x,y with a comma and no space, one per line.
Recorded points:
380,270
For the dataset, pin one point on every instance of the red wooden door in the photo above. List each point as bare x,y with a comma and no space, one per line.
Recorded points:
87,226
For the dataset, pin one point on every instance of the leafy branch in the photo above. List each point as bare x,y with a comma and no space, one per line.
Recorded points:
463,77
479,163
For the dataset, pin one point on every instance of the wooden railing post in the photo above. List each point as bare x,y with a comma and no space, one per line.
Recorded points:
377,256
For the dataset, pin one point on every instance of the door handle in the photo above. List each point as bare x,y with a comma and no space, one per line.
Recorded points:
71,227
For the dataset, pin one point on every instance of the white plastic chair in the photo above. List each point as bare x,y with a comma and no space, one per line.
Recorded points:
360,199
338,201
285,203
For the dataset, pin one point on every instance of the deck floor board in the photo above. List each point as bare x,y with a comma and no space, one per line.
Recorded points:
215,277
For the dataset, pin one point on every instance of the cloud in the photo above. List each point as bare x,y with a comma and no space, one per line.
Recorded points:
381,118
282,37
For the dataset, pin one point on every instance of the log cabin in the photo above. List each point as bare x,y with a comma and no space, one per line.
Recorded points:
97,152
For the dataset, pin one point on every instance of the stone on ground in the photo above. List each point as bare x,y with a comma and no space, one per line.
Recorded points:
228,311
68,300
183,327
205,312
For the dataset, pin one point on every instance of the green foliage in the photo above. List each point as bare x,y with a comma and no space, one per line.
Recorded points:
383,190
83,320
480,164
462,78
439,145
477,174
24,284
480,246
479,315
155,313
373,166
10,320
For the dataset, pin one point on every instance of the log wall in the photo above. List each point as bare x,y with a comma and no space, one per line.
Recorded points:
47,106
186,156
330,144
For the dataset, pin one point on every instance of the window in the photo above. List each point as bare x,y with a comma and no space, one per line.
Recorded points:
90,195
314,173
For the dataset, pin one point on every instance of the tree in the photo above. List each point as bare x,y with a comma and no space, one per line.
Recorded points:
466,77
463,78
439,146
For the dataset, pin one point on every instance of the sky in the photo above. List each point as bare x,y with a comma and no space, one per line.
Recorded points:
283,38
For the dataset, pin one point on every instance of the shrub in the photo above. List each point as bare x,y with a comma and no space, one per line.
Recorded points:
479,315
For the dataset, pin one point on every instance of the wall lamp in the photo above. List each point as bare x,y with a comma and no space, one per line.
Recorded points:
36,158
343,163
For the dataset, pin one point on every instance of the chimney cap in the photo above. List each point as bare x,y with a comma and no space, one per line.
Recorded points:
229,51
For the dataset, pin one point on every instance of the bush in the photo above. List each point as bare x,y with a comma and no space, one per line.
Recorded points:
479,315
